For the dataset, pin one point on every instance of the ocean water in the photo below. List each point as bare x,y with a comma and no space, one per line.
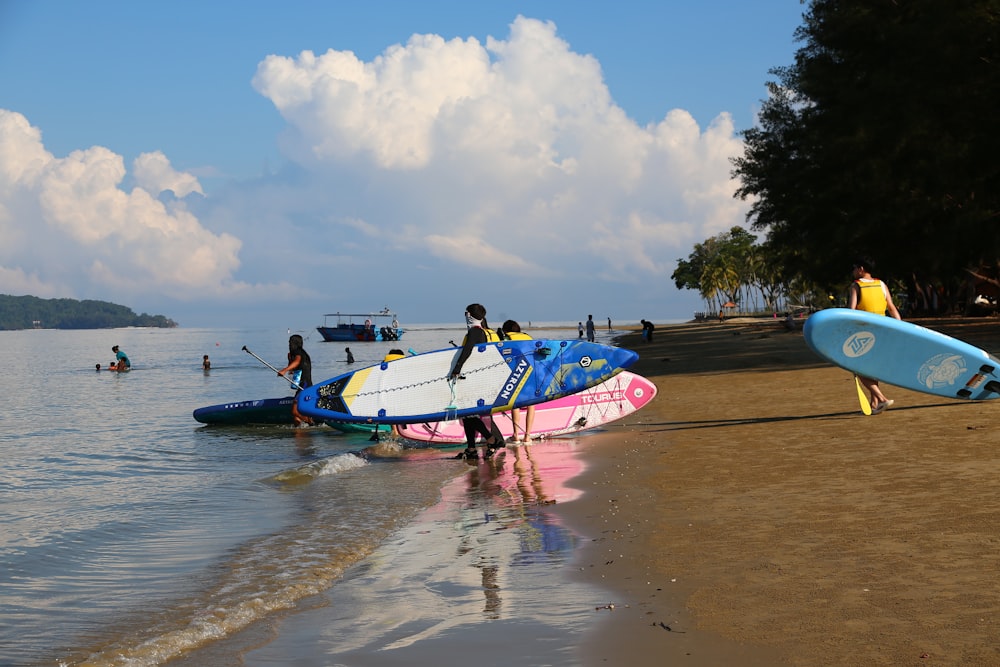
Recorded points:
130,534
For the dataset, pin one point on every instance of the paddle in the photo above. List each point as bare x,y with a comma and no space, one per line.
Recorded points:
290,381
866,406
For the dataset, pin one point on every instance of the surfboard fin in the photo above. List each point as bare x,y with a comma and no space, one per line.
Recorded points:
993,386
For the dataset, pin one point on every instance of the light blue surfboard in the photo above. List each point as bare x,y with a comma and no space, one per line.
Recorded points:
903,354
496,377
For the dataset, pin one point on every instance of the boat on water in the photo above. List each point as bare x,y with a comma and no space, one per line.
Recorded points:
361,327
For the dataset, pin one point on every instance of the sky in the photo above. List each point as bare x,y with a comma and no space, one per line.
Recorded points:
257,163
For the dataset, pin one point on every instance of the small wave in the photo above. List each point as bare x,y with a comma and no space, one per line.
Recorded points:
340,463
328,466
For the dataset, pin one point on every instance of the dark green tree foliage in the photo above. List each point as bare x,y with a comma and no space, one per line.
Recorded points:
732,266
26,312
880,140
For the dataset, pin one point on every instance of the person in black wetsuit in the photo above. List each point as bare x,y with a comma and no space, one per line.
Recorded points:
479,332
300,366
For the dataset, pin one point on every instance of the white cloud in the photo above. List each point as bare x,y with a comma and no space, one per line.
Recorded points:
482,162
154,174
67,222
513,148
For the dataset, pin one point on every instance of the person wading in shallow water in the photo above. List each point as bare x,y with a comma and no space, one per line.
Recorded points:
122,362
300,369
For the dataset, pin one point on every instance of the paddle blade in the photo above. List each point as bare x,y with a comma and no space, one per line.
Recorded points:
866,406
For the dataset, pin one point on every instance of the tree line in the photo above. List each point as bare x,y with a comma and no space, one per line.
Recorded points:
30,312
876,141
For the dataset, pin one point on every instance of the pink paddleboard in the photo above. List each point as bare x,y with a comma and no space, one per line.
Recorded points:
613,399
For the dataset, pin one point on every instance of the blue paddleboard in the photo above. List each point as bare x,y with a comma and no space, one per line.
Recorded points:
267,411
496,377
245,413
903,354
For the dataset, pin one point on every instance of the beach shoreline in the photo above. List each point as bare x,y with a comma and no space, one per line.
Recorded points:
749,515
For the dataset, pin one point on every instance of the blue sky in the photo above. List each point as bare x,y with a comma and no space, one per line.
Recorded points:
229,163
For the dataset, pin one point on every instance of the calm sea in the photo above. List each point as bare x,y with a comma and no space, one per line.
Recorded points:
131,534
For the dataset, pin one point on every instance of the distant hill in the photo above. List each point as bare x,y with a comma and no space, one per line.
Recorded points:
30,312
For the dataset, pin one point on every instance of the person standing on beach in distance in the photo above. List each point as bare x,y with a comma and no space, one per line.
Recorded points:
609,324
206,365
590,328
479,332
579,327
647,329
122,362
350,356
512,331
872,295
300,367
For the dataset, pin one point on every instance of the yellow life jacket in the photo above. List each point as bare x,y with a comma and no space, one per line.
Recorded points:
393,357
491,336
517,335
871,296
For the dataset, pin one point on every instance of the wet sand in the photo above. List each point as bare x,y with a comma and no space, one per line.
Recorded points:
759,513
749,515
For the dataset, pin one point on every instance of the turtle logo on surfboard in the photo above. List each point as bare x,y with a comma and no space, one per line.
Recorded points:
859,344
941,370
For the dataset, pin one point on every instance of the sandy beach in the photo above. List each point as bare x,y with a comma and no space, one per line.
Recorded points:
757,511
750,515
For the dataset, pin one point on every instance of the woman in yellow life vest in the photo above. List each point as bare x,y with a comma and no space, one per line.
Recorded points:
512,331
478,333
872,295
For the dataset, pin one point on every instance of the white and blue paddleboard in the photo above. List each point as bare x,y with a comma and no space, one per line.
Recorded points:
496,377
903,354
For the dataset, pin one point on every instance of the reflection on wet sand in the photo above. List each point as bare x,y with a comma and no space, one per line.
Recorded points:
503,495
488,552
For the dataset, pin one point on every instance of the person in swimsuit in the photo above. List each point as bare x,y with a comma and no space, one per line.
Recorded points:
122,362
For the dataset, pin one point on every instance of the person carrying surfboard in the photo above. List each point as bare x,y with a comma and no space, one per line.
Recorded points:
511,330
872,295
478,333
